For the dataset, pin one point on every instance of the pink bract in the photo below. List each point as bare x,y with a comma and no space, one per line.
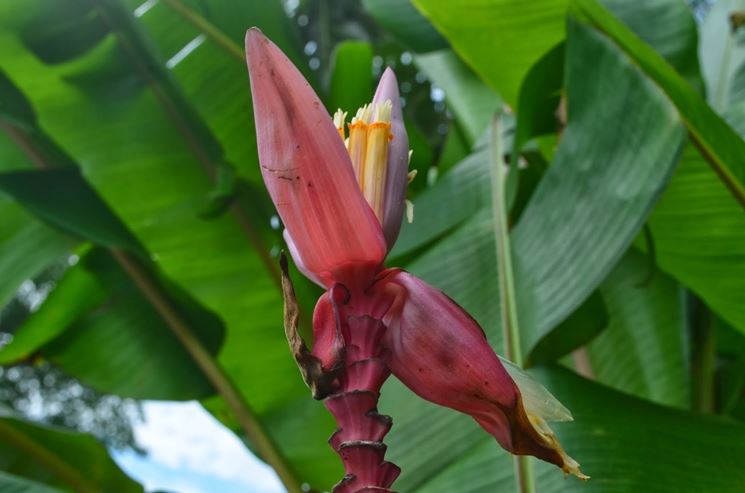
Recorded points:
371,321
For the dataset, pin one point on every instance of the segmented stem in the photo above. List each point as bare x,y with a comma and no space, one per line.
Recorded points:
348,379
359,437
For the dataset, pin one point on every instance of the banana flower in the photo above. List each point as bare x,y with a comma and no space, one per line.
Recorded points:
341,198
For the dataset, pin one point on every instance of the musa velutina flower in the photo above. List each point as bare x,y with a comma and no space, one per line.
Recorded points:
339,186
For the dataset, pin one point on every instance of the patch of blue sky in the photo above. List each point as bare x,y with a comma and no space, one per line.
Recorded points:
191,452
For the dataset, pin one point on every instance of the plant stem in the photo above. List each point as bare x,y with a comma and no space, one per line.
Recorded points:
508,299
207,28
704,355
211,369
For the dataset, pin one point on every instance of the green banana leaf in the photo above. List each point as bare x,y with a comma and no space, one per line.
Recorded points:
62,458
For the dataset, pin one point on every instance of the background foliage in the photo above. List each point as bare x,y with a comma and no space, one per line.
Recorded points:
138,246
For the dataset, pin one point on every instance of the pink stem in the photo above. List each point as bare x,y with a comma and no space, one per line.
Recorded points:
358,439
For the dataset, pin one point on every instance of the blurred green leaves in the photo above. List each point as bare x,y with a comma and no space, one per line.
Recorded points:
14,484
26,248
402,20
98,326
644,350
480,32
87,304
471,101
699,236
62,458
723,149
351,77
596,195
722,54
62,198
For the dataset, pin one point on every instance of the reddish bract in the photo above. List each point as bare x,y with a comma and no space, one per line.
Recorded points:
372,321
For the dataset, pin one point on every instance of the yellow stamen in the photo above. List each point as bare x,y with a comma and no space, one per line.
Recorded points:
358,141
376,163
367,144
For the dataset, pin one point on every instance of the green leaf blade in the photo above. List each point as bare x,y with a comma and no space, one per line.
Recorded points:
351,78
601,186
60,457
720,145
644,350
476,28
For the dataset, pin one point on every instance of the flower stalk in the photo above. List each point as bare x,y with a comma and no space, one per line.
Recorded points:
508,299
350,382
